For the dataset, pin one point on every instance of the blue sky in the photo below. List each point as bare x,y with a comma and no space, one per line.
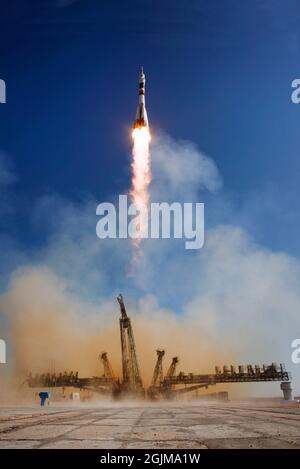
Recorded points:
218,74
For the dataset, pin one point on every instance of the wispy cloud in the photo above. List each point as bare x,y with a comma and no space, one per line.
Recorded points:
7,175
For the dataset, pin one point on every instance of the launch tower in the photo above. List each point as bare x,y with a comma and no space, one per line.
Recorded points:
132,381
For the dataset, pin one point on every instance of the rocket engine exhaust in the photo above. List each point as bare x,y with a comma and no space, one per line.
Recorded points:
141,168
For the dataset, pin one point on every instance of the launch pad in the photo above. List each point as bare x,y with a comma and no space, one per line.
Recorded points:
153,425
162,386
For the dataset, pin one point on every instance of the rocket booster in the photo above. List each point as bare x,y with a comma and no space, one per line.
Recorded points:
141,118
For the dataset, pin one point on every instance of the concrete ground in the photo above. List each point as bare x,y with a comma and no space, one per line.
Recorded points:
185,425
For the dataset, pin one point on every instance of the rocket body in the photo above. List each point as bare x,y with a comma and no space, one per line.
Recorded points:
141,118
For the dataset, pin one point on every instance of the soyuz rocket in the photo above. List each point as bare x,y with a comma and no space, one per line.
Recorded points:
141,118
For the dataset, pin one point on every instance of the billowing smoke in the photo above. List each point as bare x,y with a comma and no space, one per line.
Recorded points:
52,329
232,301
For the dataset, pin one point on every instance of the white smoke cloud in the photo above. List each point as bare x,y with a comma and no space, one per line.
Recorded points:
180,170
234,300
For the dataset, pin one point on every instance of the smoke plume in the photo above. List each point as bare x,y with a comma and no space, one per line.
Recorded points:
234,301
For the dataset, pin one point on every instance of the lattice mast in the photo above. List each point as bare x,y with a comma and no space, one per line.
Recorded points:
132,380
158,369
108,371
172,367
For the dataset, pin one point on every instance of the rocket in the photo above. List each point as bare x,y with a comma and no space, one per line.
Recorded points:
141,118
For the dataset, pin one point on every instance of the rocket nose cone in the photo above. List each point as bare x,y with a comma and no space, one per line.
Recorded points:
142,75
